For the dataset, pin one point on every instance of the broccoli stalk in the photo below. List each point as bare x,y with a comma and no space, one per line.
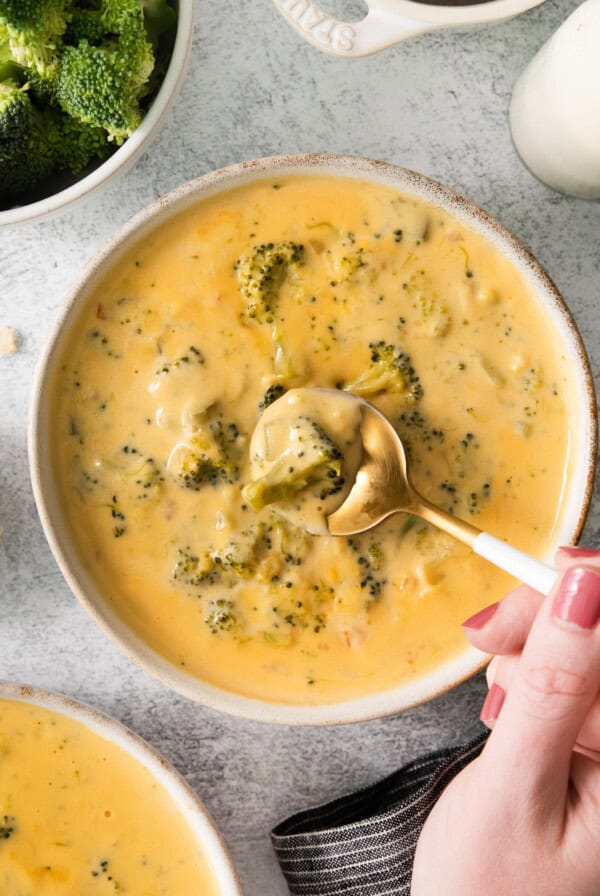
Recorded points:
262,274
390,371
311,459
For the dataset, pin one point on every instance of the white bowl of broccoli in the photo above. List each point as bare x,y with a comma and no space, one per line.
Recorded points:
84,86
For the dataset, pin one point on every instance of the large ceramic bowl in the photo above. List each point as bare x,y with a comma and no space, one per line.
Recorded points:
551,306
183,797
62,190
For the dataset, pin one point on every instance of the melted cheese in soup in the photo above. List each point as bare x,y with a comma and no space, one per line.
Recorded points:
280,284
79,815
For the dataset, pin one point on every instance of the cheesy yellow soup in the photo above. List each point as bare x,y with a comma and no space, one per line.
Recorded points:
79,815
305,281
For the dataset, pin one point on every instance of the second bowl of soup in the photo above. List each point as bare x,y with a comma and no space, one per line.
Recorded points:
309,271
88,807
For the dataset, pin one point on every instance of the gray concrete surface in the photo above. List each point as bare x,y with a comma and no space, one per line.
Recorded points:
438,104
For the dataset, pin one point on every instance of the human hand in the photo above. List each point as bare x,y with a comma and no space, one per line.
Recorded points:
524,818
502,629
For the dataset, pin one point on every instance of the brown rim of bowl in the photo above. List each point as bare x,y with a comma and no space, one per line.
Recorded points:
178,789
384,703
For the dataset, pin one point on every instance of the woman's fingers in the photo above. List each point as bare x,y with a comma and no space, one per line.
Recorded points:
552,692
503,627
502,672
572,555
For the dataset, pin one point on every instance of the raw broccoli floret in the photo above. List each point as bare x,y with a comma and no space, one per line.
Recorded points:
97,86
311,459
262,274
26,156
390,371
93,62
101,83
75,144
125,19
33,30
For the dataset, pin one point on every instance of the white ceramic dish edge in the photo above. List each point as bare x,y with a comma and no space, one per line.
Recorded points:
124,157
450,673
186,800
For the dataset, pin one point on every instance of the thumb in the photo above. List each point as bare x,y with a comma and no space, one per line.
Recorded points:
555,685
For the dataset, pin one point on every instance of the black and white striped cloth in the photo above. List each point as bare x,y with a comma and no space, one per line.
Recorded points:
363,844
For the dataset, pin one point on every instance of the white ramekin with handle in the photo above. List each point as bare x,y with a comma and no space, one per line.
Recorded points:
389,21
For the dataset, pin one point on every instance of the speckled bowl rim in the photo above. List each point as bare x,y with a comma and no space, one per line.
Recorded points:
383,703
185,799
134,146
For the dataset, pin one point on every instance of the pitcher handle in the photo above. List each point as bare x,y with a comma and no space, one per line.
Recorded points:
380,28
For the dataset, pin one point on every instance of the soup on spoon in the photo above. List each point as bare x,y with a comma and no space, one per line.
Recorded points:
304,454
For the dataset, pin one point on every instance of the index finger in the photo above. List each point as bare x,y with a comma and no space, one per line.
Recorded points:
503,628
556,683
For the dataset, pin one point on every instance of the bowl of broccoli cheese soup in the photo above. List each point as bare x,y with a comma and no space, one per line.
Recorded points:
220,299
88,807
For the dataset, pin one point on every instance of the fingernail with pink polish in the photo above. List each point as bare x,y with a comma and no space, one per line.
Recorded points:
575,552
577,601
492,704
480,619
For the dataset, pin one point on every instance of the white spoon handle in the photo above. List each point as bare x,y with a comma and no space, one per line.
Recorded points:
534,573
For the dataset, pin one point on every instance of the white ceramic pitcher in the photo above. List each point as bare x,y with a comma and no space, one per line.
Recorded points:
555,107
390,21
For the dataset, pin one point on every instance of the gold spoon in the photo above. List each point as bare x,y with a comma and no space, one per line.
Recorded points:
383,487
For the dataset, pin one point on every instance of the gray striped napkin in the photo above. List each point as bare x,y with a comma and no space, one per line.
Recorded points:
363,844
